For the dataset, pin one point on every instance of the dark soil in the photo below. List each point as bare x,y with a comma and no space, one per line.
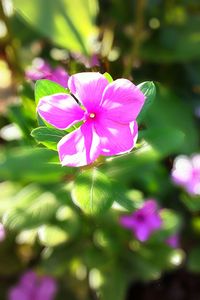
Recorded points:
179,285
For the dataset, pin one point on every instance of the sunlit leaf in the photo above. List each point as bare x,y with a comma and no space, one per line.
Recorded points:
61,22
108,77
51,235
48,136
45,87
31,165
149,90
30,209
92,192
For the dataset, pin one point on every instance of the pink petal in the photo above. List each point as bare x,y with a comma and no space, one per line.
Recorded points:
60,110
193,186
122,101
149,207
154,222
182,170
88,87
173,241
18,293
2,232
80,147
28,279
47,289
127,221
60,76
40,69
116,138
142,233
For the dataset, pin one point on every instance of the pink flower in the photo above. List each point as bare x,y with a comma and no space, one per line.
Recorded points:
32,287
88,62
144,221
186,173
40,69
173,241
2,232
197,111
108,117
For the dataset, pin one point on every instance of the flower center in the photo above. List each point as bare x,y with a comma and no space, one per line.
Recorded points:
140,218
92,116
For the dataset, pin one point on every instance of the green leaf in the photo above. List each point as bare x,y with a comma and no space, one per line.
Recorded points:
147,264
51,235
149,90
26,94
18,115
165,140
27,236
92,192
60,22
191,202
141,167
171,220
45,87
31,165
108,77
48,136
127,199
8,190
123,200
193,259
114,278
31,208
165,112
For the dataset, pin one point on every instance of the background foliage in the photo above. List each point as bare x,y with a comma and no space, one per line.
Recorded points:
50,225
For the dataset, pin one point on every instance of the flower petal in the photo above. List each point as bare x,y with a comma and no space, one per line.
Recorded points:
60,76
150,207
60,110
154,222
2,232
116,138
142,233
88,87
28,280
182,170
46,289
173,241
40,69
127,221
80,147
18,293
122,101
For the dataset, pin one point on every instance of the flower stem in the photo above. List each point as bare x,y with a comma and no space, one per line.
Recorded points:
138,37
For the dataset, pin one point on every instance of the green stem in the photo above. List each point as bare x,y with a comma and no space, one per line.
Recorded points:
138,37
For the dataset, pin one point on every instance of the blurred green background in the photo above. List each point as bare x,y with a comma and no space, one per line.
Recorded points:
143,40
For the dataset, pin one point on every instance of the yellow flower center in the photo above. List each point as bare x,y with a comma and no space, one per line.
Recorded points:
92,115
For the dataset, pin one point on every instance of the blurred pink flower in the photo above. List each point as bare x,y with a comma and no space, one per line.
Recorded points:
88,62
40,69
186,173
109,117
144,221
2,232
32,287
173,241
197,111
